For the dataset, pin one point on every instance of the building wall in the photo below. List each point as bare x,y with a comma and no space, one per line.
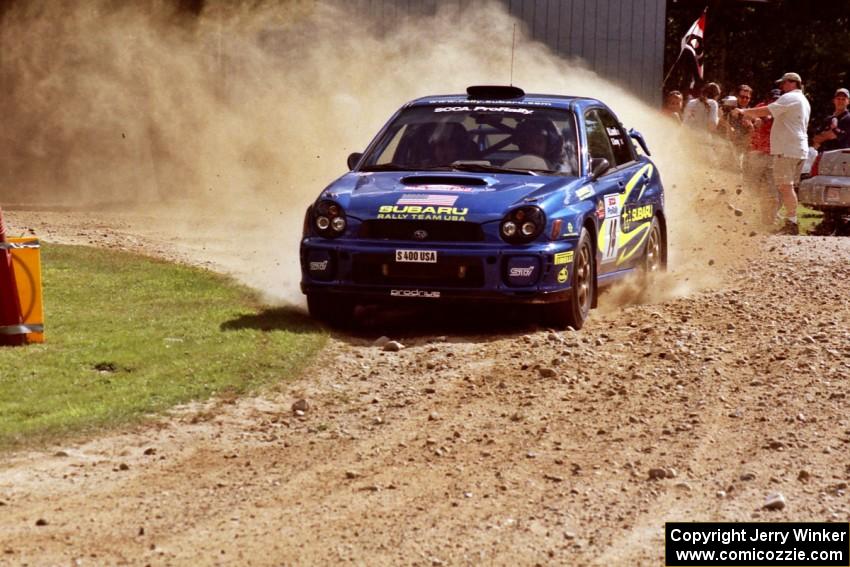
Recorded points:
622,40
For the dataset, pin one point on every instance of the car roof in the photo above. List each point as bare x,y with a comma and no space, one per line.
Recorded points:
528,99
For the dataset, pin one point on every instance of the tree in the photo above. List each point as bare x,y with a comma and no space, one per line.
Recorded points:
756,42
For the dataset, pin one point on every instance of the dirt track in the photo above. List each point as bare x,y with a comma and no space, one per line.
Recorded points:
471,446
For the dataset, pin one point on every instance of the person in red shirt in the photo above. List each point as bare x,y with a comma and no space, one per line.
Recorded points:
757,165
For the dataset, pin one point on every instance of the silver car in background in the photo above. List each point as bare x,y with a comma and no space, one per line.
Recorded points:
827,189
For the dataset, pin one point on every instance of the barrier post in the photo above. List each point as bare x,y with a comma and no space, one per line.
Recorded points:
11,331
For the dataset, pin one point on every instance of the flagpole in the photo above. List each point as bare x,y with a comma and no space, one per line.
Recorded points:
664,82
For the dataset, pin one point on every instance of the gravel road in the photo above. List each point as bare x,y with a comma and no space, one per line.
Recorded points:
475,443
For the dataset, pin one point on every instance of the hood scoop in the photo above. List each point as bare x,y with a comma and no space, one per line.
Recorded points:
442,180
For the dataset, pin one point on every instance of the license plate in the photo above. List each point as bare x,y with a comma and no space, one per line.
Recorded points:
419,256
833,194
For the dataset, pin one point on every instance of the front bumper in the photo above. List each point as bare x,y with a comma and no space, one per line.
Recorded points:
825,192
368,271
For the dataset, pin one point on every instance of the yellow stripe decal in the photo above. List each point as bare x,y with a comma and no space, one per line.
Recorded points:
648,175
643,230
633,181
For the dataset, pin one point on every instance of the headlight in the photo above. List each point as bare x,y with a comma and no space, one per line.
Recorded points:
329,219
509,229
523,225
338,224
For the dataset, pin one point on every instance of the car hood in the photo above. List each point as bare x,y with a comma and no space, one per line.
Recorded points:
473,196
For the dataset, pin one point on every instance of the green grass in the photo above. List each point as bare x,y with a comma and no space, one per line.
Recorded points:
807,218
128,335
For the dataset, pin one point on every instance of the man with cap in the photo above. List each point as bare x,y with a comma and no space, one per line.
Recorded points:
789,142
834,134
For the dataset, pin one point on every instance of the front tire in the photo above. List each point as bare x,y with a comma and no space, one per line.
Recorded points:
336,311
574,312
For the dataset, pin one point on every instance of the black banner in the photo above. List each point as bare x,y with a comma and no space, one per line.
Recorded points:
757,543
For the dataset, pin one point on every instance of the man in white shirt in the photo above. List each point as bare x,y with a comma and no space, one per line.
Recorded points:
789,143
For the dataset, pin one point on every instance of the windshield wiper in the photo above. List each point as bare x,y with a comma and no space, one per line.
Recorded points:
397,167
480,167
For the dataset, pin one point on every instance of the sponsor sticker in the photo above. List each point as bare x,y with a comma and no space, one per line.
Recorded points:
633,215
521,272
419,212
417,256
319,266
427,200
414,293
600,209
612,206
562,258
584,192
484,109
562,276
496,101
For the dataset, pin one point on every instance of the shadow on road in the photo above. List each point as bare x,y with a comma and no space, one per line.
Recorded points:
287,318
458,323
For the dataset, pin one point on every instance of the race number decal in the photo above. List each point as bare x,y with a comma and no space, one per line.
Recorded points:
609,230
608,239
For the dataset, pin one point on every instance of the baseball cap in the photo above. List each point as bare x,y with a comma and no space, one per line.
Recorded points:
790,77
842,91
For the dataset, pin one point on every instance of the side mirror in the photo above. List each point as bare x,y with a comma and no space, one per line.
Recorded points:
598,166
638,137
353,159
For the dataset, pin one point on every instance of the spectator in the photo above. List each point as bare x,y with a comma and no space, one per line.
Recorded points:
725,106
702,113
740,128
673,102
757,174
834,134
789,142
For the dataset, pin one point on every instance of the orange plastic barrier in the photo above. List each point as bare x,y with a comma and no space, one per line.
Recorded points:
26,263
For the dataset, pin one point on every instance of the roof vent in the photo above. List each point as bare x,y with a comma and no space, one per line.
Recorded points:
494,92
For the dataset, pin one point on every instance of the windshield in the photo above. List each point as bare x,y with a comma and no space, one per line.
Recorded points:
474,137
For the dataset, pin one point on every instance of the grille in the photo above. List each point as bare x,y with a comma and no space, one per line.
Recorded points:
439,231
382,269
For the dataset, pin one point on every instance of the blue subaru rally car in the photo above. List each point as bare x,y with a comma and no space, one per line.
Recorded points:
492,196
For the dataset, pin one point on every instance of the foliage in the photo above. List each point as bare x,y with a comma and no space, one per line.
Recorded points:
757,42
128,335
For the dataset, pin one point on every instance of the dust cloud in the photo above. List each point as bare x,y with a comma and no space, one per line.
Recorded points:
220,129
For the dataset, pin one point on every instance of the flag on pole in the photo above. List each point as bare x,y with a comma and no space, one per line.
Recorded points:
692,47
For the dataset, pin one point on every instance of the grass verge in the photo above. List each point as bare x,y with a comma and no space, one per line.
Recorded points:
128,335
807,218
